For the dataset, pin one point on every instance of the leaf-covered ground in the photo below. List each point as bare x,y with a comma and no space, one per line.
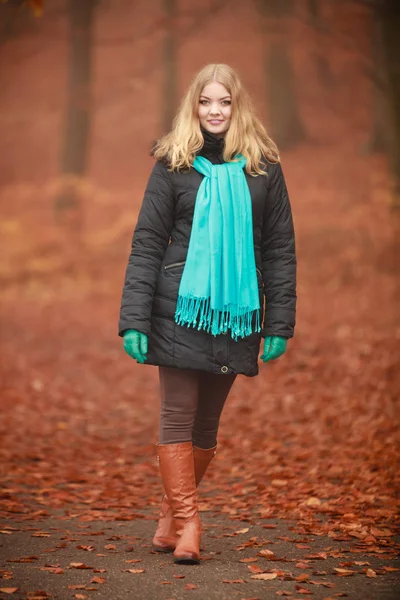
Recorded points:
305,483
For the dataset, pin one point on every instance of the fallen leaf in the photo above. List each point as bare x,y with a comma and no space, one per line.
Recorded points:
191,586
135,570
245,530
53,570
76,586
266,553
343,572
75,565
381,532
327,584
24,559
254,569
371,573
313,501
134,560
265,576
98,579
248,560
279,482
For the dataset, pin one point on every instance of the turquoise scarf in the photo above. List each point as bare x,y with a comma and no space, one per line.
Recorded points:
218,290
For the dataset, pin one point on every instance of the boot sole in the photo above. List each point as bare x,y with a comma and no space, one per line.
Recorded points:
186,561
163,550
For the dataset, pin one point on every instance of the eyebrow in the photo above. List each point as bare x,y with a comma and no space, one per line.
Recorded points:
207,98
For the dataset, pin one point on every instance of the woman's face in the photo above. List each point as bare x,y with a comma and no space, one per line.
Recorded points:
215,107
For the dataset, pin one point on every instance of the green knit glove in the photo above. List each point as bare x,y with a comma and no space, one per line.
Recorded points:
135,344
274,347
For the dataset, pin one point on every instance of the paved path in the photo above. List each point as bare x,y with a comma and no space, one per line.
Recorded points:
45,558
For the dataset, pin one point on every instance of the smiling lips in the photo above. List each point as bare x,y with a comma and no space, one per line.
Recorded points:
215,121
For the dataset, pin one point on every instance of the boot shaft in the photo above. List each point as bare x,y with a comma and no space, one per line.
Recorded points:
178,476
202,459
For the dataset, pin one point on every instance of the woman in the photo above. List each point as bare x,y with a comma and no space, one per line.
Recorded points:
214,238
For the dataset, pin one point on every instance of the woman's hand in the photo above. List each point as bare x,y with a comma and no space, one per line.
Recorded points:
274,347
135,344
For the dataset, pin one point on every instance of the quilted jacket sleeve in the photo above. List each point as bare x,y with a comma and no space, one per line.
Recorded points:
149,242
278,258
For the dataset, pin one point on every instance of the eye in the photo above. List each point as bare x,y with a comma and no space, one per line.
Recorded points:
227,102
203,101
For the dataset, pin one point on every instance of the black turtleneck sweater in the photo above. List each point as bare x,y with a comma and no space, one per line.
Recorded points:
213,147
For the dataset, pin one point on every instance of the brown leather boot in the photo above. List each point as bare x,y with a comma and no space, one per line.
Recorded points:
202,459
164,539
177,473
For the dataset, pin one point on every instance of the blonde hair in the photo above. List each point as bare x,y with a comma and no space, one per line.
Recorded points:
246,135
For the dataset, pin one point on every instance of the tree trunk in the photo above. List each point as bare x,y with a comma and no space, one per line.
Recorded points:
390,14
379,142
287,126
320,54
76,139
169,99
14,20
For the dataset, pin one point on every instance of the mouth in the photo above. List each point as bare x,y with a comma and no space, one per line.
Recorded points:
215,121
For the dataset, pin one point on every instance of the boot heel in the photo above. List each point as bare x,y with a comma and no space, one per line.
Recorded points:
186,560
187,549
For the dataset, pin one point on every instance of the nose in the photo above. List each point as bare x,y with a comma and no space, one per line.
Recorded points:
214,109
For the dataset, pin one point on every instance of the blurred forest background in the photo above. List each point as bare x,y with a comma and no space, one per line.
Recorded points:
87,85
85,88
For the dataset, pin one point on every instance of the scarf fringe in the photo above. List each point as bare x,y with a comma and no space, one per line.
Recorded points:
198,313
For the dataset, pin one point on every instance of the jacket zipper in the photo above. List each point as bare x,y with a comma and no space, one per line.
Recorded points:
177,264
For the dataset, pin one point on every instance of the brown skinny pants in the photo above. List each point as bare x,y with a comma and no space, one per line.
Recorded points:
191,405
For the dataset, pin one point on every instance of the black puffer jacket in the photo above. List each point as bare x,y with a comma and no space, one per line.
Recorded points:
159,248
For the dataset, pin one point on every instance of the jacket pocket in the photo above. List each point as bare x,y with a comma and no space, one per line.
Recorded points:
174,269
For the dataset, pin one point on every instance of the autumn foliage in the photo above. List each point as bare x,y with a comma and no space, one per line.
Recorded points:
312,442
